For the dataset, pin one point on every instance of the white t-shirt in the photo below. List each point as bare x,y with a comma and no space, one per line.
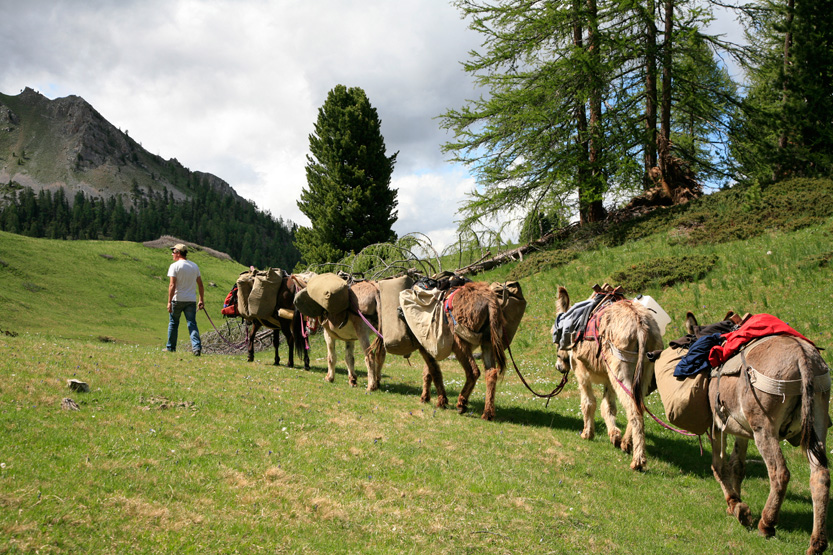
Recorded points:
186,274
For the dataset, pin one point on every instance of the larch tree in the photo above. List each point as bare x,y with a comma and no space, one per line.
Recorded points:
579,98
348,198
785,127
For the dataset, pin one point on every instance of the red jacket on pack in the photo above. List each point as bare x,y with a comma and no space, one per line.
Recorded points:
756,326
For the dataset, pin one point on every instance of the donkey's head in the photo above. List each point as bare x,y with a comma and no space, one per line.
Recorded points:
562,304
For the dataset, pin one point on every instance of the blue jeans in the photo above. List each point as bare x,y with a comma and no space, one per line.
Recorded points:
190,311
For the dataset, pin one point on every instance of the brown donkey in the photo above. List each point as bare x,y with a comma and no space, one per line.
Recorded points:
474,312
617,360
781,392
285,320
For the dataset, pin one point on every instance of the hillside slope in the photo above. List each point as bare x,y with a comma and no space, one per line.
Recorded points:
113,290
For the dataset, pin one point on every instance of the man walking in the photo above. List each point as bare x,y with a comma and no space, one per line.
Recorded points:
182,297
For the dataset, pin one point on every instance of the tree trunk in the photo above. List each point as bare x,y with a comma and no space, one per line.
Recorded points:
581,119
593,205
650,91
788,40
667,57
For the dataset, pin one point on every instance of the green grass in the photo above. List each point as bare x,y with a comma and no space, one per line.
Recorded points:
91,289
172,453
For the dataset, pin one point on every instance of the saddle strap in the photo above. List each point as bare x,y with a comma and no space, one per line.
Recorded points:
624,356
785,387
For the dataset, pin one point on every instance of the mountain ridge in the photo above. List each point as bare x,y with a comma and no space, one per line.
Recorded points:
48,144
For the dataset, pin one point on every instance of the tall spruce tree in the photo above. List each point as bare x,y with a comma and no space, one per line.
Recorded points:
348,198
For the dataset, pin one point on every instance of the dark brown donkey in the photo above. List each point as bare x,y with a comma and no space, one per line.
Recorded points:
291,327
474,307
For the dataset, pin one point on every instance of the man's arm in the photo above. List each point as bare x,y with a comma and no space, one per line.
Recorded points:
171,291
202,293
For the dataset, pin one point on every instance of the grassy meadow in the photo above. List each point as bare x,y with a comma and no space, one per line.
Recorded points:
170,453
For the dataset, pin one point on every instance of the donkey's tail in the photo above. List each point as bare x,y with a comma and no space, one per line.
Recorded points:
496,326
638,374
810,441
298,333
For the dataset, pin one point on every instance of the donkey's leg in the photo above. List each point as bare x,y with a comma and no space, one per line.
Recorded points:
369,361
779,476
609,416
250,340
492,374
276,339
331,356
819,476
379,356
432,373
737,463
286,327
588,399
634,438
350,361
723,474
464,357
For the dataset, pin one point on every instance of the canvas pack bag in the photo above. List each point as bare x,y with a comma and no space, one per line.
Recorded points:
307,306
332,293
423,310
263,297
398,338
686,400
513,303
245,282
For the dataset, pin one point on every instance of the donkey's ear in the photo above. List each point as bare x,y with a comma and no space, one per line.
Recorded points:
562,300
691,325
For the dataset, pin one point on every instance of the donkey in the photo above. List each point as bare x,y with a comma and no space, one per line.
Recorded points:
617,360
474,307
796,409
364,297
291,327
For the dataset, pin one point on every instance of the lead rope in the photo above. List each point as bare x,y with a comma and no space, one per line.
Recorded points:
547,396
233,346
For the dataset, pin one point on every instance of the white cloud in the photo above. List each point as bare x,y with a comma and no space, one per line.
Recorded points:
233,87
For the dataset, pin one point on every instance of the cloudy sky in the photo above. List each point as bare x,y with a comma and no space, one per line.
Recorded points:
233,87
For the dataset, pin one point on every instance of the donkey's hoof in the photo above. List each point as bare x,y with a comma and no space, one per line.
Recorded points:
817,545
766,530
425,399
638,465
330,379
588,434
488,416
744,515
442,402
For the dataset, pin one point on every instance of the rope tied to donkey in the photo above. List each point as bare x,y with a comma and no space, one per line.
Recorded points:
546,396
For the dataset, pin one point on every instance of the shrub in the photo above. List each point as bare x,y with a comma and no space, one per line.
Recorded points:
663,272
540,261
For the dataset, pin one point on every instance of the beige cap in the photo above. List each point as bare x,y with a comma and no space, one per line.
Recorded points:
180,247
